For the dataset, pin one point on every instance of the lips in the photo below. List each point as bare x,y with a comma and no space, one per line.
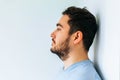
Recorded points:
53,41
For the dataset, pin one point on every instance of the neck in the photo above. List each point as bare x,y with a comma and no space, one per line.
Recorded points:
75,57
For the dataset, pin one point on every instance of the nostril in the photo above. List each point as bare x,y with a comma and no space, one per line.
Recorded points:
52,34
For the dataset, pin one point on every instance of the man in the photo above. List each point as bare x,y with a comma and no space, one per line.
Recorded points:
71,41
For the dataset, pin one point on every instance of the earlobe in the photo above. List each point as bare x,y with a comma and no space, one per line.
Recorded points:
78,37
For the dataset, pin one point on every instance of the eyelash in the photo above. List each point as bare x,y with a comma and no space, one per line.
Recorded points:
58,29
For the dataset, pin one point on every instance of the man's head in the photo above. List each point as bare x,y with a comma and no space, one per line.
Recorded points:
74,21
82,20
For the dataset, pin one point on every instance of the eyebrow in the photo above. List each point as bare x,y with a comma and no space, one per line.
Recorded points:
58,24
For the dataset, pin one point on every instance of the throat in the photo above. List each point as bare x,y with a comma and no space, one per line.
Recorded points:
73,59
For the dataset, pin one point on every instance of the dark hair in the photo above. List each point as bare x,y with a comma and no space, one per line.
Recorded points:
82,20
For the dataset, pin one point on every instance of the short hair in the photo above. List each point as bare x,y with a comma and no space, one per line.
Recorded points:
82,20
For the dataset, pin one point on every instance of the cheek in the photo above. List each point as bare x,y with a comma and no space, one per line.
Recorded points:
61,40
60,37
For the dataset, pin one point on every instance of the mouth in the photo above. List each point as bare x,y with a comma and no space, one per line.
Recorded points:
53,42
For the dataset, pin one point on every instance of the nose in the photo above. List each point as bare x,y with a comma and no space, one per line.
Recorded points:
52,34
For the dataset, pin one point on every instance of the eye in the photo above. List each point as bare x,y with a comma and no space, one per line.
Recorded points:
58,29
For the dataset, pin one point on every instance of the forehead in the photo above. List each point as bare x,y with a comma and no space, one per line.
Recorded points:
64,21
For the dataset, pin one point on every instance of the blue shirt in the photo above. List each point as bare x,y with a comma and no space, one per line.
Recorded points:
83,70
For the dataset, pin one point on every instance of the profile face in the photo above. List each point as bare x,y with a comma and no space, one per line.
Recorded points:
61,38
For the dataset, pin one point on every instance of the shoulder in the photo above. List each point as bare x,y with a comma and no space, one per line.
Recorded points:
83,71
83,66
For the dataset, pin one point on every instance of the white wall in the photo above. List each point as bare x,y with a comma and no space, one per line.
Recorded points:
25,27
108,58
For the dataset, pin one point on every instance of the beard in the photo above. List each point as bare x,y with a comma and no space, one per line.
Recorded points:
62,50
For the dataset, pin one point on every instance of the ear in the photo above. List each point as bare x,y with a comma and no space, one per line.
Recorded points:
78,36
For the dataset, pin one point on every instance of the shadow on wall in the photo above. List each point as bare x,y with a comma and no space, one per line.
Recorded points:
96,46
